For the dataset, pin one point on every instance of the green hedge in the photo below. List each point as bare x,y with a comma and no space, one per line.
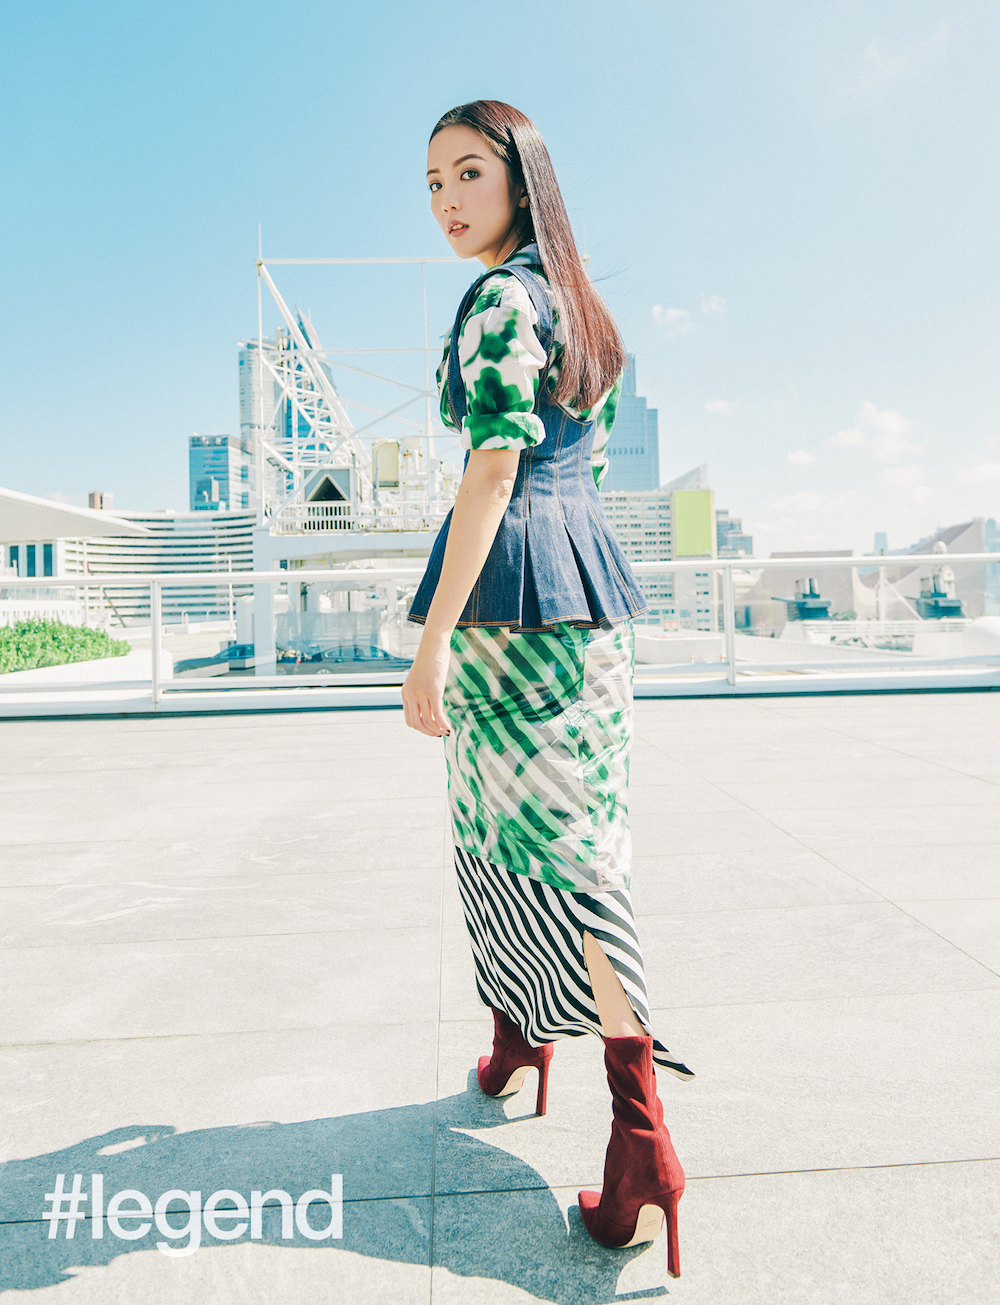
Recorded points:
28,644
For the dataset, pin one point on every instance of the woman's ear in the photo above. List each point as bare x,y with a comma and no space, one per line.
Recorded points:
523,202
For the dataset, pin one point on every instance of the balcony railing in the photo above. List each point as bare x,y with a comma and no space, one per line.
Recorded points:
735,672
322,518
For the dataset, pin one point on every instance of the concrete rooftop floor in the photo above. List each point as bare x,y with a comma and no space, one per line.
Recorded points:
234,957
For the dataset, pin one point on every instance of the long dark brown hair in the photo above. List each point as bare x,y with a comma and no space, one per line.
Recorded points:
594,353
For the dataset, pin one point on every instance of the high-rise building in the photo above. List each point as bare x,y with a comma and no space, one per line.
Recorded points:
732,542
221,473
255,414
656,525
633,447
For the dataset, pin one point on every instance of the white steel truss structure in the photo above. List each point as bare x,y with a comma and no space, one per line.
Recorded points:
314,471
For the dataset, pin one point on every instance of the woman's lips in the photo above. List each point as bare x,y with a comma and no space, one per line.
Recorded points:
457,230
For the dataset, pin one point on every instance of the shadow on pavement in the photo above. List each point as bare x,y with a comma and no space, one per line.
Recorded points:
494,1216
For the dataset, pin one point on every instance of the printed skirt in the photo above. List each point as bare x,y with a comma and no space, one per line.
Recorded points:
541,727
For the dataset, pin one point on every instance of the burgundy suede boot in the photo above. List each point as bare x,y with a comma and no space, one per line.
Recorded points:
504,1071
643,1179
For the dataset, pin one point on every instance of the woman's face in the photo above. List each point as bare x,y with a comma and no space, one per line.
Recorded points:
470,195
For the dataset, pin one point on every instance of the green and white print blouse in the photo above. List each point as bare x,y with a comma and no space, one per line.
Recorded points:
501,360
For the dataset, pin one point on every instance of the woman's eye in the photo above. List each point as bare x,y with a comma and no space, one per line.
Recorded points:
435,185
469,172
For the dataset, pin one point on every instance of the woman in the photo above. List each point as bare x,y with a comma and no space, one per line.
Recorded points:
526,656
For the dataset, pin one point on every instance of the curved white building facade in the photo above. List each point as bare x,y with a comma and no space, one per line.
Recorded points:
177,541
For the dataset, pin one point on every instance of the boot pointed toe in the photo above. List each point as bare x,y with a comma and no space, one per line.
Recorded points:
603,1229
591,1216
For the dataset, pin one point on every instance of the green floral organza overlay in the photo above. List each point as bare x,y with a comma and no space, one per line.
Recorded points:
541,727
501,360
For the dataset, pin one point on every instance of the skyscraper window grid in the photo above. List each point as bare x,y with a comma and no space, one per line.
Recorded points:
220,473
633,448
732,540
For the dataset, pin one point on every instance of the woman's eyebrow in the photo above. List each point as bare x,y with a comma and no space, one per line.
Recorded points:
463,159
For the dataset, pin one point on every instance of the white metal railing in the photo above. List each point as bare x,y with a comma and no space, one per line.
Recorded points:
838,627
40,609
295,518
393,577
309,518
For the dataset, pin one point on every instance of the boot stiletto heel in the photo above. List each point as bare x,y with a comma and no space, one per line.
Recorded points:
643,1179
503,1073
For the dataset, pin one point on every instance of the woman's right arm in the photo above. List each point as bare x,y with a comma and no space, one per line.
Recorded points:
482,500
501,359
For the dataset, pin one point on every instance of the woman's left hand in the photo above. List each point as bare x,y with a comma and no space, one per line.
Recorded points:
423,688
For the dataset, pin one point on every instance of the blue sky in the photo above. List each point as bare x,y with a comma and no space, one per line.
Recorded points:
791,208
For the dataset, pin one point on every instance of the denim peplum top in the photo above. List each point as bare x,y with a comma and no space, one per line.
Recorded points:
555,557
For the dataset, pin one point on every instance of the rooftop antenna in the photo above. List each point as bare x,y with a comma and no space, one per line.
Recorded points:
427,371
259,450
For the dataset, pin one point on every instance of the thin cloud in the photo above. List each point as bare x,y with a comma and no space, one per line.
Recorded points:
979,476
713,305
718,405
885,433
806,519
674,321
882,66
908,481
800,458
810,501
848,438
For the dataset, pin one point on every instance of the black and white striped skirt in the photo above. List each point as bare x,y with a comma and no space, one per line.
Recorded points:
527,945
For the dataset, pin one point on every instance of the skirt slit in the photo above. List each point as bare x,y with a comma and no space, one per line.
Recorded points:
544,988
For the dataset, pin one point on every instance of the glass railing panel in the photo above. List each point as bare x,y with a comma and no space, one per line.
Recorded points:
57,639
796,626
311,630
819,617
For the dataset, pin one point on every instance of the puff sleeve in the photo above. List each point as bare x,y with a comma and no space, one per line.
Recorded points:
606,407
501,359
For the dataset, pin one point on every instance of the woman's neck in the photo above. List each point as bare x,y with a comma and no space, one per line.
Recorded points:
510,246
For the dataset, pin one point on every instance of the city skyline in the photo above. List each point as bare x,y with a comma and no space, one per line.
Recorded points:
791,213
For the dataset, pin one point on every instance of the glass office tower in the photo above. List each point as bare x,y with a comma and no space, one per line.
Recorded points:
633,449
220,473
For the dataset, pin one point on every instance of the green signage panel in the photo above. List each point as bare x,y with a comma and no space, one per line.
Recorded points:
693,523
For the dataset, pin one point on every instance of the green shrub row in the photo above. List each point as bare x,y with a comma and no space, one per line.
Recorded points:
28,644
